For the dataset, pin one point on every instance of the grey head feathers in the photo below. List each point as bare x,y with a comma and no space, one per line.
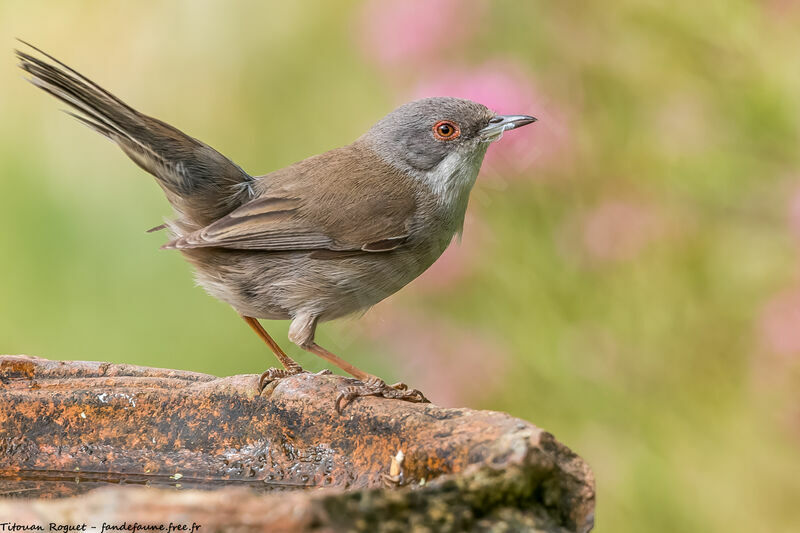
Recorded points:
405,137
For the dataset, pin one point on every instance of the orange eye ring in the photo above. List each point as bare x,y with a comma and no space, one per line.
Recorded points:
446,130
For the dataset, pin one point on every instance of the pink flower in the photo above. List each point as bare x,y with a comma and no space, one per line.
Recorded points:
453,366
407,32
780,8
776,369
780,324
617,230
503,87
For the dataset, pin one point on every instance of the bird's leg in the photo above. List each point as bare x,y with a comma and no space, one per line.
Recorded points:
290,366
301,332
370,385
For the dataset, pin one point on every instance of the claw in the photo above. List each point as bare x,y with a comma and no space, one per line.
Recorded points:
345,395
276,373
378,387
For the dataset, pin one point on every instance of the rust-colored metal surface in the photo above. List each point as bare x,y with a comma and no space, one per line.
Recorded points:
70,426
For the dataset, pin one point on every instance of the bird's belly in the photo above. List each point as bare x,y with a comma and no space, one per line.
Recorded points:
360,283
278,285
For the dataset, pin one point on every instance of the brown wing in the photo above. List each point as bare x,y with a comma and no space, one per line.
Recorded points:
343,200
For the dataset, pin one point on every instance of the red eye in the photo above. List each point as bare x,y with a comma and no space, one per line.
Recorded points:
444,130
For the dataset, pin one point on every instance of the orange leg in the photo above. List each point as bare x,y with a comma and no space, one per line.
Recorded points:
370,385
338,361
290,366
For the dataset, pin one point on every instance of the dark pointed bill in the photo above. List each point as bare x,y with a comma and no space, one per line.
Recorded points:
500,123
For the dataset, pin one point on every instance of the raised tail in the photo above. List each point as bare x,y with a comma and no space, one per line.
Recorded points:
202,184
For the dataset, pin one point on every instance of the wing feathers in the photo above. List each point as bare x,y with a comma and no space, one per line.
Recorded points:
345,200
269,204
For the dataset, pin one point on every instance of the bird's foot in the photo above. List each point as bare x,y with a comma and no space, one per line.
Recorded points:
274,374
377,387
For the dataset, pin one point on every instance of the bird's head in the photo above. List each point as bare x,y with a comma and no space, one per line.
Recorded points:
440,140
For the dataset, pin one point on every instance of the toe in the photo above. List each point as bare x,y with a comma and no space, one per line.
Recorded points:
277,373
377,387
345,396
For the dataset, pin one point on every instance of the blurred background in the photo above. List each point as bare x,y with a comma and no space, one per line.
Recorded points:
628,276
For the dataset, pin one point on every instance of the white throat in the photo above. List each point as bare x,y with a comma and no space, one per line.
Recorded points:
452,180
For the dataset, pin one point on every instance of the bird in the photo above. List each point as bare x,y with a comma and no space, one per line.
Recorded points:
323,238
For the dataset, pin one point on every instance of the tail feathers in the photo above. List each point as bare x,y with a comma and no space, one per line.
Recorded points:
99,128
77,91
201,183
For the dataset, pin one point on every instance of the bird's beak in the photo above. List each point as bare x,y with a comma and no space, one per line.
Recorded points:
500,123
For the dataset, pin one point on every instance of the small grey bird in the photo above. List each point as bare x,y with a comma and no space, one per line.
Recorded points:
323,238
